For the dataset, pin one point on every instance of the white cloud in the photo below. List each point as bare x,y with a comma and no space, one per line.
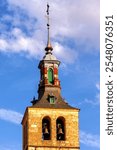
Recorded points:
98,86
20,42
89,139
96,100
65,53
70,20
10,115
76,19
3,44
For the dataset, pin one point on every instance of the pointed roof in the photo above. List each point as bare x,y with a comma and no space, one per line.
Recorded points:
60,103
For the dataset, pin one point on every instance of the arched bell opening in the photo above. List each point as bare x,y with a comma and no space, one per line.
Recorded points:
50,76
46,131
60,128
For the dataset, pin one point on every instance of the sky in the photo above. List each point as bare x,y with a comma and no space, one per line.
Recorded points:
74,31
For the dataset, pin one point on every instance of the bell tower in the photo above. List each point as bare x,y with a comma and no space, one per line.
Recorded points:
50,123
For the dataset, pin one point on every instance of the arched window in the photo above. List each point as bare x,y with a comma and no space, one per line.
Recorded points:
50,76
60,128
46,132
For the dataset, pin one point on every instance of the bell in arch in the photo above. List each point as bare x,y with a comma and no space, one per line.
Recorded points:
60,131
45,129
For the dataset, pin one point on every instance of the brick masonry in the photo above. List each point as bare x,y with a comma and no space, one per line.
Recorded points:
33,122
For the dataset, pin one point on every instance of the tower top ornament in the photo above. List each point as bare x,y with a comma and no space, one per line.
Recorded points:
48,48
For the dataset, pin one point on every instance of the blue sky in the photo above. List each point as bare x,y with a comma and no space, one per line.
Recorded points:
75,40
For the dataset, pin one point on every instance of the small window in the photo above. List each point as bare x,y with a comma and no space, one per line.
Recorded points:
52,99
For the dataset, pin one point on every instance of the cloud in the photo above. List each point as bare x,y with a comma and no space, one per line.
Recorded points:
10,115
65,53
89,139
98,86
96,100
23,28
69,18
20,42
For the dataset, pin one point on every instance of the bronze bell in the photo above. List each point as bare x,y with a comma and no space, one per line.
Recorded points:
46,130
60,131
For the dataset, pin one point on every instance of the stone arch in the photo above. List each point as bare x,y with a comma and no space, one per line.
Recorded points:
60,128
46,128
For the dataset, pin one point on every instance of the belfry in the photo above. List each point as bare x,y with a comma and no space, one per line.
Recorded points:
50,123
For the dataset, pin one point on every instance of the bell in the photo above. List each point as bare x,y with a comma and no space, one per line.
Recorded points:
60,131
45,131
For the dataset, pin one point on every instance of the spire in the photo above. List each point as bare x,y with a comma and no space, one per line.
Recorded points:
49,48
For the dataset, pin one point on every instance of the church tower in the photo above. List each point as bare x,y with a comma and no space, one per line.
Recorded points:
50,123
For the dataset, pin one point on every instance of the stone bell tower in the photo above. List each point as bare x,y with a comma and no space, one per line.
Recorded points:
50,123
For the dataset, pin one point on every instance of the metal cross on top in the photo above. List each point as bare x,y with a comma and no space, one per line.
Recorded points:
47,9
48,24
49,46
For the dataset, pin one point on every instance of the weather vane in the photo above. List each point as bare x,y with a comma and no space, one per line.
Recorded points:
49,46
48,24
47,9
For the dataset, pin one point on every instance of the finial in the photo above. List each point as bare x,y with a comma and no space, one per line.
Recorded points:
49,48
33,101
